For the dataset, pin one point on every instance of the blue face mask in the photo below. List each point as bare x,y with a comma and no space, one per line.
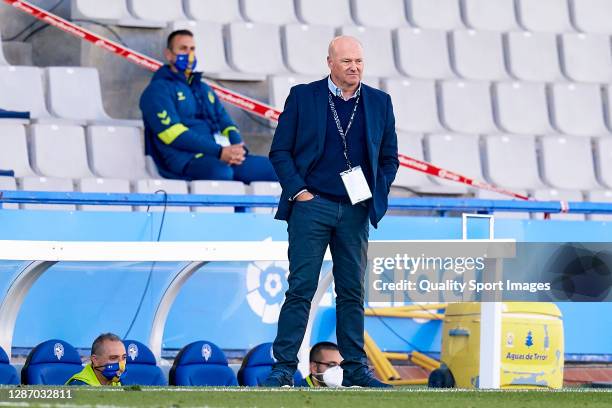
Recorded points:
113,371
186,62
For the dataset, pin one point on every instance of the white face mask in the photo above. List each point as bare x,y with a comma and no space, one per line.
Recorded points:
332,377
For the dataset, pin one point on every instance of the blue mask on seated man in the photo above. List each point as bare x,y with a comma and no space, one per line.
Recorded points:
186,62
112,371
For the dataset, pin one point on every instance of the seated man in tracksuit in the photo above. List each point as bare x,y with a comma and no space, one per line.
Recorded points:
108,358
187,131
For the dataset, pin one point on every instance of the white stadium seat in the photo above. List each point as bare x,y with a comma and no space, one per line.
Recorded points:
458,153
567,162
59,151
100,185
74,93
434,14
380,13
411,145
551,16
592,16
255,48
423,53
210,48
114,12
155,186
466,107
265,188
511,161
152,168
116,152
157,10
14,152
559,195
215,11
22,89
414,105
269,11
577,109
587,57
378,53
603,160
533,56
305,48
217,188
280,85
334,13
478,55
490,14
522,108
47,184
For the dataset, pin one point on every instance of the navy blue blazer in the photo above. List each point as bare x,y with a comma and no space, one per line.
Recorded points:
300,138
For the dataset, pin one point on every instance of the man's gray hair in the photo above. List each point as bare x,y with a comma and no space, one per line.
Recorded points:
96,347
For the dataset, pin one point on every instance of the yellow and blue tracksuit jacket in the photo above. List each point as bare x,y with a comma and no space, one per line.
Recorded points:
181,117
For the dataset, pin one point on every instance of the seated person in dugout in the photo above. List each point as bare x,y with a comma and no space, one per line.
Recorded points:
325,370
108,358
187,130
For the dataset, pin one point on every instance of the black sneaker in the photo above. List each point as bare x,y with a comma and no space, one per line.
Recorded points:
278,378
365,380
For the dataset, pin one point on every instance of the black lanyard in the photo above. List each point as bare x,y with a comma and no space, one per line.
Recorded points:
343,133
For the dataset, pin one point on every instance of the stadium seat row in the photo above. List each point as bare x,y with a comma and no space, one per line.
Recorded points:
68,151
73,95
200,363
250,51
107,159
482,107
56,95
261,49
548,168
503,15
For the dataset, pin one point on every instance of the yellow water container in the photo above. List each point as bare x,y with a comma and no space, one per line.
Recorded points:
532,345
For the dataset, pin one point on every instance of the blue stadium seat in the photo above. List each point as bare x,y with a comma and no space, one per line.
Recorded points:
257,364
142,367
8,374
201,363
52,362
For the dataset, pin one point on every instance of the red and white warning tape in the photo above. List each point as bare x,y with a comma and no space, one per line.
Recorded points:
226,95
436,171
137,58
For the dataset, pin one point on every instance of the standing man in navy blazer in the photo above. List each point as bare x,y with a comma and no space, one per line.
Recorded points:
335,153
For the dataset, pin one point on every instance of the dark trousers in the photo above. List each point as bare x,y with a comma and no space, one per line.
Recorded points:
254,168
313,225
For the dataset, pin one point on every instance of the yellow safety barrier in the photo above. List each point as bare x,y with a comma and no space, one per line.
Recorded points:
396,356
382,366
380,359
428,311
